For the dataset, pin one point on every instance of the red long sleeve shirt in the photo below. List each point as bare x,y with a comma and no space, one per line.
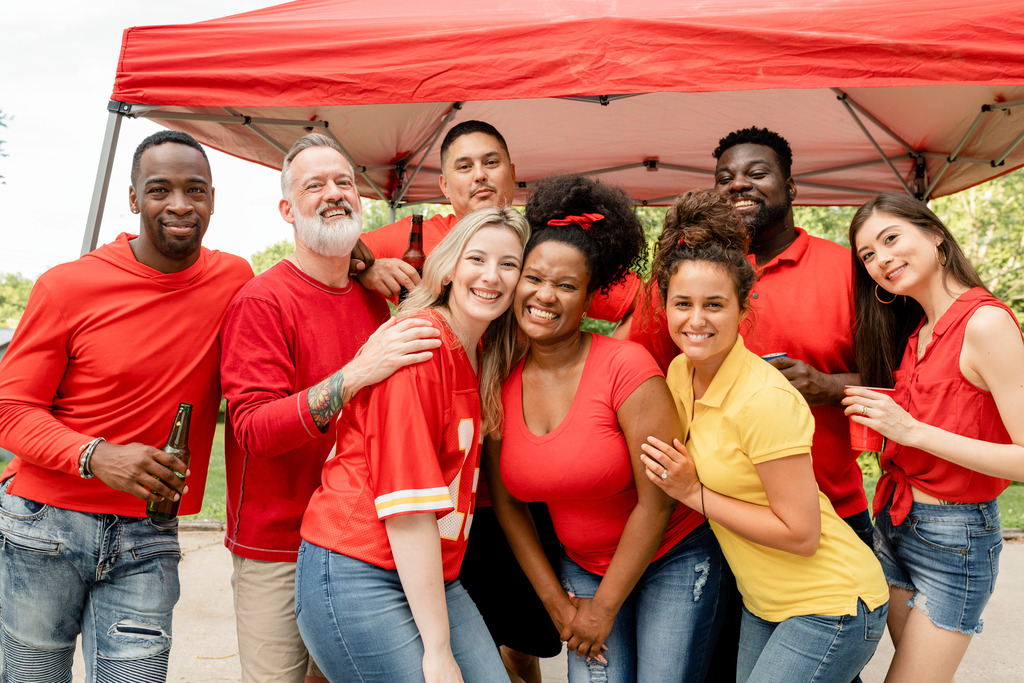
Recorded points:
108,347
283,333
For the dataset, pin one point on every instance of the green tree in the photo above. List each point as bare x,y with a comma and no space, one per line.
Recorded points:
265,259
14,291
988,222
828,222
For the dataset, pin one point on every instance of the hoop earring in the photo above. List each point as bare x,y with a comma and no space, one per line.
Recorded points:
882,301
940,256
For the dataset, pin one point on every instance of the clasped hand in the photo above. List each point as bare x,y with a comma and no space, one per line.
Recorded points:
587,630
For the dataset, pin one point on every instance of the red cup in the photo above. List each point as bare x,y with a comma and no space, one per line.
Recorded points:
862,437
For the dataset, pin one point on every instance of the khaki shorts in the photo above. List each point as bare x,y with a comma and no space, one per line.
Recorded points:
270,649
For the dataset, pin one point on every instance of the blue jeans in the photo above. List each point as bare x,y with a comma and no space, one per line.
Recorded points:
357,625
813,648
666,629
113,579
947,555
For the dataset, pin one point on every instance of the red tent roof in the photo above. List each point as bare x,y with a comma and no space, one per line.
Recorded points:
913,74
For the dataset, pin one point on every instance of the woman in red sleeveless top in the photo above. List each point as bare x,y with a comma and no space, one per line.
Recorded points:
955,428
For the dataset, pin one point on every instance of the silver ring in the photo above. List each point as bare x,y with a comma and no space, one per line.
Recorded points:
863,410
664,474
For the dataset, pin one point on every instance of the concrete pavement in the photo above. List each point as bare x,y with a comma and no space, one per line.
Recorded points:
205,648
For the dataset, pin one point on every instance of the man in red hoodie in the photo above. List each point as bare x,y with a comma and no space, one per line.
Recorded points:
108,347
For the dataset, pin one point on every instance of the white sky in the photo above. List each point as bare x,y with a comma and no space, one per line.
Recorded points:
56,73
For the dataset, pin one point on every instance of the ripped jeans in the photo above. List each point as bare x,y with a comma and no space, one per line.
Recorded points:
667,628
113,579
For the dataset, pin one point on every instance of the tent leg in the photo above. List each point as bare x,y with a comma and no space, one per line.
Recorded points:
99,190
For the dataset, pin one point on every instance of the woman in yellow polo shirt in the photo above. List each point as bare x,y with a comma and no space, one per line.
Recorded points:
814,597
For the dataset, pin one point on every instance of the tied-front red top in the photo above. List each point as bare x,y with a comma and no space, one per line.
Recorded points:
933,390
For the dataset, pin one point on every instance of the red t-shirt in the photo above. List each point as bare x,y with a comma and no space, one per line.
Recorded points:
581,469
800,305
410,444
934,391
283,333
392,240
109,347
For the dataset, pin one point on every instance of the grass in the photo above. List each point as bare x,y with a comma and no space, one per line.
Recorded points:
1011,503
215,500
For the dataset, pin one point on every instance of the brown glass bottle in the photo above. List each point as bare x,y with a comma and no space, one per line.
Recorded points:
177,445
414,255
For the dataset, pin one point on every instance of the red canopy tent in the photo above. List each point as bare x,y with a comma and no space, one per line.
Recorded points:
917,95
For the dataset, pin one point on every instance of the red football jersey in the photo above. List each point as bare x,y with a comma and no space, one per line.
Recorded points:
407,445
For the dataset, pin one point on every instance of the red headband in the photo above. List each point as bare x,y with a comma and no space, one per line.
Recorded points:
586,221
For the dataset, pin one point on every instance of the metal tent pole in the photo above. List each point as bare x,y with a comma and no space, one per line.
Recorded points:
115,111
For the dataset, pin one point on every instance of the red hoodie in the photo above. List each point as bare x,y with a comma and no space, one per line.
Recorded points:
109,347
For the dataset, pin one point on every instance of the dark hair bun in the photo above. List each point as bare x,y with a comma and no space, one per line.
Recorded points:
612,247
702,217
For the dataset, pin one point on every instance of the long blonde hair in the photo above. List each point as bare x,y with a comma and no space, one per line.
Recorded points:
500,340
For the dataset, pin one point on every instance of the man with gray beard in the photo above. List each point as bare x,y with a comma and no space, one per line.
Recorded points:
285,336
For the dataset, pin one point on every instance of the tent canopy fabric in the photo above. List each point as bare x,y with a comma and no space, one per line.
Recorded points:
925,96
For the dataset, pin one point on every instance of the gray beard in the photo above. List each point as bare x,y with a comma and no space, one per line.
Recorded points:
337,240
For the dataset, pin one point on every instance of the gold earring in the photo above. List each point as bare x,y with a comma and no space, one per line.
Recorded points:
882,301
940,255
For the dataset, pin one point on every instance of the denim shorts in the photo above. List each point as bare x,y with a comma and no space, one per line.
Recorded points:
947,555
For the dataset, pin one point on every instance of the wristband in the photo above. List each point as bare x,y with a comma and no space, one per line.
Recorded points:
84,470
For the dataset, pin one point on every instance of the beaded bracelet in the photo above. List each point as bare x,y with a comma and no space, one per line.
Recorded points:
83,460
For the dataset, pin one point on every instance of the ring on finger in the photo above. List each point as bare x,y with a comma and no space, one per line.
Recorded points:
863,410
664,474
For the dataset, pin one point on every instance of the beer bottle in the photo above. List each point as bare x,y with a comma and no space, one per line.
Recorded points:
414,255
177,445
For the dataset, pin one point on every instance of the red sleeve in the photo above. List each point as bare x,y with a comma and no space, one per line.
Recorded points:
630,366
389,241
403,452
30,377
617,302
650,328
258,376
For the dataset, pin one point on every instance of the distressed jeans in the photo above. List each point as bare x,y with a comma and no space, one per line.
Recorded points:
113,579
666,629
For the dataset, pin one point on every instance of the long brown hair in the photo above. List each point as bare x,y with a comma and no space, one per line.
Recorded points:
882,330
500,341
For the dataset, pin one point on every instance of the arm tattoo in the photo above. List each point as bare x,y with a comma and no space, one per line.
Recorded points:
327,398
